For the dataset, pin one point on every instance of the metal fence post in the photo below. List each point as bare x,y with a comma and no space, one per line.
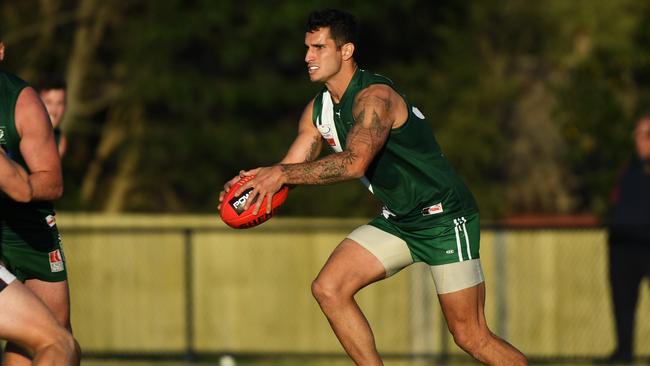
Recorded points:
421,316
190,352
501,282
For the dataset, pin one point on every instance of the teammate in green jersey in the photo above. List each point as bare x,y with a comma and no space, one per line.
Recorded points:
30,246
24,319
53,93
429,214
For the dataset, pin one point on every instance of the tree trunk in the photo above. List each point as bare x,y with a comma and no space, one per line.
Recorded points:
92,19
122,183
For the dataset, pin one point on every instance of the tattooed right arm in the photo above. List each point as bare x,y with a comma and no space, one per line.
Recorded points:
374,116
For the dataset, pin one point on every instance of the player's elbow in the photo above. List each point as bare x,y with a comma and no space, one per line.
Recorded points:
357,170
57,191
52,192
22,195
357,162
22,198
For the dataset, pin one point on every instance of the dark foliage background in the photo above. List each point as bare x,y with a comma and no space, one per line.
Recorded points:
533,102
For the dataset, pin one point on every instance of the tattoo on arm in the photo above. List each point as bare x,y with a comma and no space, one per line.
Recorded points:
313,149
365,140
330,169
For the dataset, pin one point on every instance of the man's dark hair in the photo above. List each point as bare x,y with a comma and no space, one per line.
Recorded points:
50,82
342,25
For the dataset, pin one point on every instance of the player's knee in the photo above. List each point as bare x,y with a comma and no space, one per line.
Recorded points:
320,290
63,318
61,345
76,352
325,291
470,339
521,360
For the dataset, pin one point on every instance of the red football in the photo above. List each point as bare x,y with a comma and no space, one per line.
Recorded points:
232,207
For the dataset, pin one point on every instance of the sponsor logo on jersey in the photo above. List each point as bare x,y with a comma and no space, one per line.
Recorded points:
326,132
237,203
51,221
3,140
432,210
56,261
450,251
323,129
326,125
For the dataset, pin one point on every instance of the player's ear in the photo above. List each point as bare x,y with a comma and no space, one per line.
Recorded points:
347,50
2,51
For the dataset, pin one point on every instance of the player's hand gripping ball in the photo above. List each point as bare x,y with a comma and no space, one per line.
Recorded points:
232,207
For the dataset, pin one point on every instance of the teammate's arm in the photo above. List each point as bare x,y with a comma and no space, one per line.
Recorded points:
14,180
37,147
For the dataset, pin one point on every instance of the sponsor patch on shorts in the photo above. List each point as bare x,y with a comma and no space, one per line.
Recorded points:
51,221
56,261
432,210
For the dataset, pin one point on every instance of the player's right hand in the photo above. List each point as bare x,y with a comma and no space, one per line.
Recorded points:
226,187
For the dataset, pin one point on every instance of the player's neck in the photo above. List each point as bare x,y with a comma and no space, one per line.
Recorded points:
339,83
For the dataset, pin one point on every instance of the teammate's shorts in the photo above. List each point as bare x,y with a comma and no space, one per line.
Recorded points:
450,248
5,278
34,251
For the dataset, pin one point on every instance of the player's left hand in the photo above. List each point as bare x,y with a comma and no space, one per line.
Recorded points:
265,184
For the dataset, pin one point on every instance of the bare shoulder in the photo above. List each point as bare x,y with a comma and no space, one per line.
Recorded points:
306,117
30,112
309,108
376,92
28,99
382,100
379,94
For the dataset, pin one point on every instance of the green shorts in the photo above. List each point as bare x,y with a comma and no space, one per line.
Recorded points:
34,252
454,240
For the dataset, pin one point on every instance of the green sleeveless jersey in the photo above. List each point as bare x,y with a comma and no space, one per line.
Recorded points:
410,175
15,214
57,136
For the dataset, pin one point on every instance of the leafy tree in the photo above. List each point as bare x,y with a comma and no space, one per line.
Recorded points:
532,102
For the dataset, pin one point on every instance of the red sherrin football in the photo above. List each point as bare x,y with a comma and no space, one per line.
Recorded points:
232,208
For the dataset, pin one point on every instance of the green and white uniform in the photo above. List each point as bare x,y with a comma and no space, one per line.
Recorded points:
426,204
30,245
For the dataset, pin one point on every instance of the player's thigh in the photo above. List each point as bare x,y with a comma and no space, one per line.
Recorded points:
388,248
349,268
56,295
457,276
463,309
461,292
24,319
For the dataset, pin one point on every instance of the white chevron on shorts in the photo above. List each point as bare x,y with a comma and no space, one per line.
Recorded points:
460,250
460,227
469,253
